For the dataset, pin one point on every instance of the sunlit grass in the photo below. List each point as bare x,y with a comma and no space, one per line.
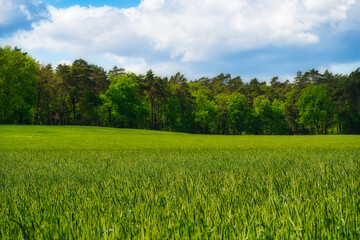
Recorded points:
86,182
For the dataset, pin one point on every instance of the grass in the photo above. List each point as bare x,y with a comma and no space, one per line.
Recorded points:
87,182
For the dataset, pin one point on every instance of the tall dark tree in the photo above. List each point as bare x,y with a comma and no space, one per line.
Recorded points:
115,71
99,77
253,89
292,111
218,83
313,76
180,104
279,89
156,92
63,73
300,81
234,85
221,102
48,96
82,86
352,104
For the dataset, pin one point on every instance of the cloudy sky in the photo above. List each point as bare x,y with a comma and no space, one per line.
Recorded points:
250,38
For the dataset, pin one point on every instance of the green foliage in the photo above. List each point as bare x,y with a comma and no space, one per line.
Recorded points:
17,86
48,96
156,90
221,119
173,112
352,96
269,117
82,94
263,115
205,110
240,113
279,125
105,183
122,105
292,110
316,108
180,103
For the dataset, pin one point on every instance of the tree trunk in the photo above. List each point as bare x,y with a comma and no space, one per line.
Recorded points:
21,118
74,109
164,122
37,110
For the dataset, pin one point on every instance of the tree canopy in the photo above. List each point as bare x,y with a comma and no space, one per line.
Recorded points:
17,86
85,94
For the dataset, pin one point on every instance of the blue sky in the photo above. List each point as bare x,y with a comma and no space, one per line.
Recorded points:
250,38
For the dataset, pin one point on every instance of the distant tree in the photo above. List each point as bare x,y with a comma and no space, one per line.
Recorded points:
279,124
291,110
279,89
234,85
351,93
173,111
335,85
316,108
81,93
263,115
218,83
253,89
115,71
313,76
178,78
221,102
122,105
156,91
63,73
83,90
17,86
48,95
204,110
151,95
100,83
301,82
179,104
99,77
239,113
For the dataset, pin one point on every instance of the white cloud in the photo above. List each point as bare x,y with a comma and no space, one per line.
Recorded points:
343,68
186,29
18,14
131,64
352,20
151,5
26,12
64,62
5,11
79,30
139,65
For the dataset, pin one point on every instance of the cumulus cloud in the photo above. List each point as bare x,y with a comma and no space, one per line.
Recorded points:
183,29
19,14
80,30
140,65
342,68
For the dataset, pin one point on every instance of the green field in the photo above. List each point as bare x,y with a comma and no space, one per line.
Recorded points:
101,183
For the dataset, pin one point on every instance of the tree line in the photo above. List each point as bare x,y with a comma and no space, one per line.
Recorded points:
86,94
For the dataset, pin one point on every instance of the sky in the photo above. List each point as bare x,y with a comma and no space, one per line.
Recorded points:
247,38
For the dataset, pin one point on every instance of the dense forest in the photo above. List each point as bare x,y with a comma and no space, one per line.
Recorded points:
86,94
